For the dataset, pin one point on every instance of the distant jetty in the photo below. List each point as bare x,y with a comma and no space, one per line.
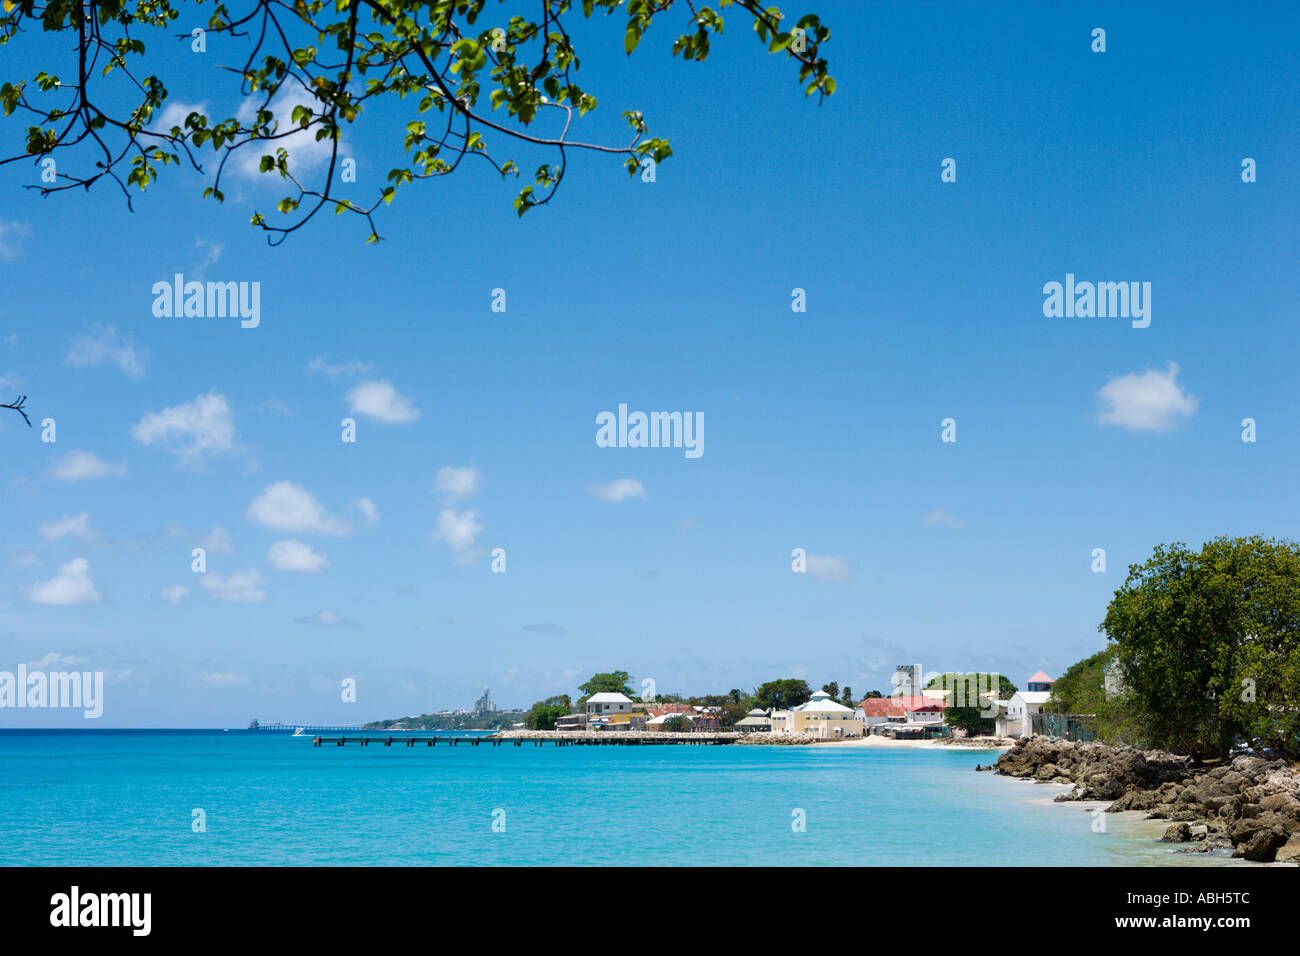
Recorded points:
537,738
279,728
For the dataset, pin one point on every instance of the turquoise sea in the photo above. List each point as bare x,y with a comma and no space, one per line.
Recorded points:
128,798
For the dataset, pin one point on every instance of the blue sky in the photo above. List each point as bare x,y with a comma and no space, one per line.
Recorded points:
924,301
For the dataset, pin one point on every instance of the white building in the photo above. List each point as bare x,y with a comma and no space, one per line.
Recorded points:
1113,682
820,716
603,704
1017,721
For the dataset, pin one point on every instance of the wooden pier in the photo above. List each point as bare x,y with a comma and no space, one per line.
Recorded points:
585,740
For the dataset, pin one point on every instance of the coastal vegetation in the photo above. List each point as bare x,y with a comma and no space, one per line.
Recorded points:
966,708
782,694
1081,689
543,714
493,720
1207,647
615,682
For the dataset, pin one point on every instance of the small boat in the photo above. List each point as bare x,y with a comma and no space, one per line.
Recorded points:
299,733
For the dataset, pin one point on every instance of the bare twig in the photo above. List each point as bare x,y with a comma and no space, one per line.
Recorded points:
17,406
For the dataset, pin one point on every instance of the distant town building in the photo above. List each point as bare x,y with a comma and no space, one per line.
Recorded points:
756,721
1039,682
1113,682
604,704
571,722
907,680
883,710
821,716
1017,720
485,704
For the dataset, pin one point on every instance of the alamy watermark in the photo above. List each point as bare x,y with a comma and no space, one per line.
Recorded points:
652,430
72,689
208,300
1101,300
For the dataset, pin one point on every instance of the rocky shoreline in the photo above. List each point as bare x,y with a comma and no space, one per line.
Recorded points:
1248,804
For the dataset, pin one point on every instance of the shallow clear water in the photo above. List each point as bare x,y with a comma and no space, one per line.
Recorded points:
128,799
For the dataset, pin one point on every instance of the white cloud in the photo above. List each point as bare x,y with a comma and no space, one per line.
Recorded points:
1145,402
327,618
84,465
379,400
458,530
242,587
73,525
368,511
321,365
211,250
55,660
26,559
106,347
175,594
827,567
617,490
456,483
217,541
72,585
201,427
940,516
306,152
11,237
295,556
174,114
285,506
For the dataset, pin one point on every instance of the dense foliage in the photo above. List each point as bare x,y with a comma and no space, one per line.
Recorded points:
969,705
782,694
615,682
1209,646
1081,689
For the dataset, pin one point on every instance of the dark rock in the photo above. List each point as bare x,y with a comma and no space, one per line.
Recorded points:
1262,845
1289,852
1177,833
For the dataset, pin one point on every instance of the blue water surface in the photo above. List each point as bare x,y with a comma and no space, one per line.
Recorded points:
128,798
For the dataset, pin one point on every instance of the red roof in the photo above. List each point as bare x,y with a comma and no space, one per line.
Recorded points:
1041,678
670,709
896,706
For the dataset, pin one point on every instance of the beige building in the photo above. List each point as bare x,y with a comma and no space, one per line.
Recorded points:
819,717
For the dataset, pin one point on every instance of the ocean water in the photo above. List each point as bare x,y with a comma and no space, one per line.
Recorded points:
128,798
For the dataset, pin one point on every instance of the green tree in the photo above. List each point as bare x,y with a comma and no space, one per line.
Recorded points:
468,79
847,697
782,694
615,682
677,723
1208,645
1081,689
544,713
833,688
728,711
969,706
